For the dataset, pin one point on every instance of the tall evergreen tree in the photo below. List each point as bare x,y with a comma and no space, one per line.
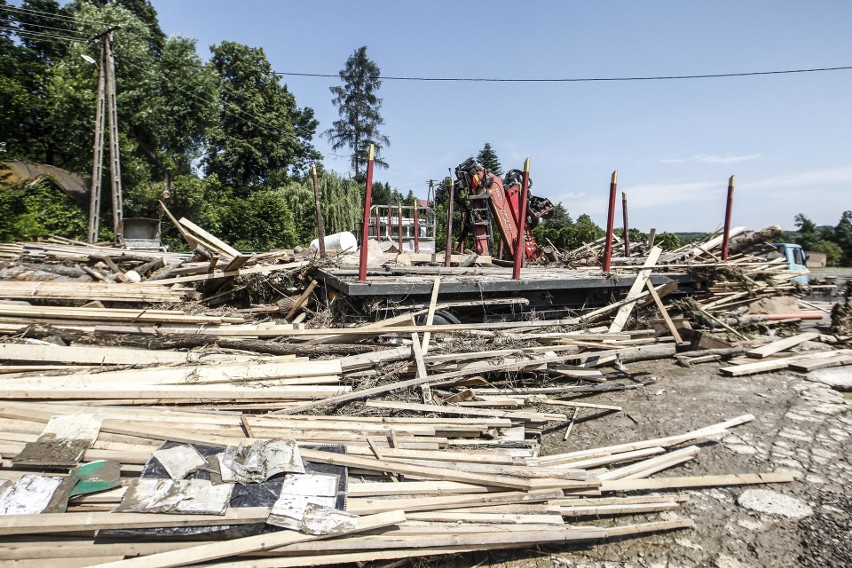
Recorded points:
488,158
358,106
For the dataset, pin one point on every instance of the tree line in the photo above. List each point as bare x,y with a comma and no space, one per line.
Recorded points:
835,242
223,141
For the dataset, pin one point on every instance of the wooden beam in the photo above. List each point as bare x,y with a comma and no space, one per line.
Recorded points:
635,290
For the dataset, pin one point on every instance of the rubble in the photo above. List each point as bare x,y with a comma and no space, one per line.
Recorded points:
208,379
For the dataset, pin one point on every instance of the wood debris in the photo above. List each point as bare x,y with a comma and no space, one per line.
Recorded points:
436,426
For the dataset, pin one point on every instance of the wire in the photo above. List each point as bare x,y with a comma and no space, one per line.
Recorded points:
43,35
505,80
582,79
26,25
38,13
213,101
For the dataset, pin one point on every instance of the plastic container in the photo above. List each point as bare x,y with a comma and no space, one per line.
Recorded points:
337,243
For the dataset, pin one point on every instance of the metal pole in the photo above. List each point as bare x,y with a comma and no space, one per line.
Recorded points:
114,155
98,153
368,197
521,245
378,225
610,219
416,228
728,208
320,227
626,233
448,251
399,217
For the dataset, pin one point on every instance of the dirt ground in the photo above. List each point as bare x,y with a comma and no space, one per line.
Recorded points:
801,426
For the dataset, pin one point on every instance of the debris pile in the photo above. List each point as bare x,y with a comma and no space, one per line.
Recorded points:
147,422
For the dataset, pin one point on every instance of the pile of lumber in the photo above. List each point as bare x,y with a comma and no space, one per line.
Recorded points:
433,431
409,494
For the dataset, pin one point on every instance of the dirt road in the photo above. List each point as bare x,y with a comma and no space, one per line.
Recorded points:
801,426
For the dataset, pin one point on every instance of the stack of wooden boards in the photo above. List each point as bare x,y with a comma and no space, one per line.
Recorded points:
441,425
415,492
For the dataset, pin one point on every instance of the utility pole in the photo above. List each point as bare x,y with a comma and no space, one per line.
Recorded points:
98,154
106,101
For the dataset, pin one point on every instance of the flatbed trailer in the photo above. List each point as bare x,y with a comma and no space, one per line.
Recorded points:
548,290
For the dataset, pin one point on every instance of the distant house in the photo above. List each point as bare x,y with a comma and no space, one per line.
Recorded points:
816,259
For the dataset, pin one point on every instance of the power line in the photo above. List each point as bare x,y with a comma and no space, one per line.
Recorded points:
26,25
581,79
38,13
43,35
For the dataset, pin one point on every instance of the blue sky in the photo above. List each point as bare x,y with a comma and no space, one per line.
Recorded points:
787,138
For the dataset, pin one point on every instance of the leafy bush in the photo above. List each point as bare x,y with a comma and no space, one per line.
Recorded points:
40,210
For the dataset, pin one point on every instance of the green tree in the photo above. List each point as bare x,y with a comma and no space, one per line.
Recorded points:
833,252
261,136
843,237
342,205
181,110
667,241
41,210
807,236
358,106
30,133
488,158
271,222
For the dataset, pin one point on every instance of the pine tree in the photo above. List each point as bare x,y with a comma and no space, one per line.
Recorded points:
358,106
488,158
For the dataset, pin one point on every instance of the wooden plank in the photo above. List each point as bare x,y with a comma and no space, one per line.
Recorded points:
519,415
422,471
92,355
774,364
366,393
808,366
781,345
47,523
707,431
636,289
254,543
210,238
664,312
373,506
692,482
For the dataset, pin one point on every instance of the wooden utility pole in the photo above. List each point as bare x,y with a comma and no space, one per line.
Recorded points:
320,227
106,102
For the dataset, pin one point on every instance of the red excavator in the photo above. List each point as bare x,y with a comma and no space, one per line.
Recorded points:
484,197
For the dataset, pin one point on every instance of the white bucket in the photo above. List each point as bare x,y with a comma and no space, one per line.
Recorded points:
338,242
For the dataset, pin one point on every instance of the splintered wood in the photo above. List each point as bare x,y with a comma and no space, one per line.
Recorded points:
120,379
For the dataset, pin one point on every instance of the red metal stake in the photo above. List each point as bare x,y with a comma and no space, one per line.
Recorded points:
626,229
728,208
399,212
390,223
448,251
610,221
378,225
521,245
416,228
368,197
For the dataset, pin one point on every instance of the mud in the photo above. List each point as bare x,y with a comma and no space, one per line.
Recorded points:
801,426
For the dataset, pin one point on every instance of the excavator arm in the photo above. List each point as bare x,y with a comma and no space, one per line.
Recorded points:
485,196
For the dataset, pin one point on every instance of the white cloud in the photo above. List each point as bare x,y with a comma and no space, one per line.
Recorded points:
806,181
706,159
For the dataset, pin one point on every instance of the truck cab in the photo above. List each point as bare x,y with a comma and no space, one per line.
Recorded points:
796,260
